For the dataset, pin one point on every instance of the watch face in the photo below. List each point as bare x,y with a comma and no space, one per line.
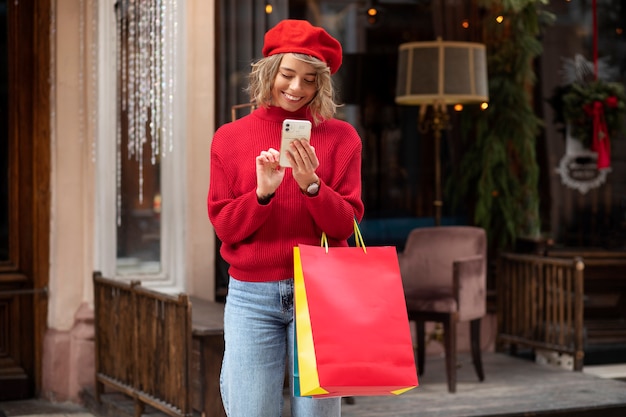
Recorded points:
313,188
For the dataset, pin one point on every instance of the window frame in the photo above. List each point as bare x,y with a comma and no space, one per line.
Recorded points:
173,172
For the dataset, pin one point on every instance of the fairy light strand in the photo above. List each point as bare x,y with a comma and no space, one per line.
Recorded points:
147,51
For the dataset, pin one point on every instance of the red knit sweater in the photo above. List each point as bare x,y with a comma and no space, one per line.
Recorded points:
258,240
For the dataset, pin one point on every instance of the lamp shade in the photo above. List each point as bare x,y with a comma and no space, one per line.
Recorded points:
442,72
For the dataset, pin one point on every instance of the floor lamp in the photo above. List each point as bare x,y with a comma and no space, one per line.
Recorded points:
437,74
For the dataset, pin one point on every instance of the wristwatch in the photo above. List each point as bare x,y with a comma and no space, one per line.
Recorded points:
312,189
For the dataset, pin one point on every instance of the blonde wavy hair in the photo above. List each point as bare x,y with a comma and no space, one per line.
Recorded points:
263,74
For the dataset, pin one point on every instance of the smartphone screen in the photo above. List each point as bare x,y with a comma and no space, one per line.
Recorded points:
292,130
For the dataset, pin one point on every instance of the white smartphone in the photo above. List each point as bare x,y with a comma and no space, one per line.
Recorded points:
292,130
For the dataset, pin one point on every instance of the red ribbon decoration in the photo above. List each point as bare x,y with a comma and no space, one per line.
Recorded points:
601,143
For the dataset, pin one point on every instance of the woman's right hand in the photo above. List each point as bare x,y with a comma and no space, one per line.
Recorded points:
269,173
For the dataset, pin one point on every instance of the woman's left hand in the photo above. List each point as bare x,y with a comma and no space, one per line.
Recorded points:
304,162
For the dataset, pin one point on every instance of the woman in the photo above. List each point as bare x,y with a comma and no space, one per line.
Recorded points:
261,210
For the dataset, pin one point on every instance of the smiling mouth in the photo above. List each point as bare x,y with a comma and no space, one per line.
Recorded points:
291,98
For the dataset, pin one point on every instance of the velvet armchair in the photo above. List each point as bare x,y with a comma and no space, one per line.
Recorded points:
444,273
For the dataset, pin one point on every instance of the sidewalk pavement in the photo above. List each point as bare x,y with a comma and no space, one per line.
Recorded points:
52,415
42,408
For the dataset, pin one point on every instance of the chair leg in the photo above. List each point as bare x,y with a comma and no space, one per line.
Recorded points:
449,336
421,346
476,353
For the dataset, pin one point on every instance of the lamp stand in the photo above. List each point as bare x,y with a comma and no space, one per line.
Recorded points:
439,121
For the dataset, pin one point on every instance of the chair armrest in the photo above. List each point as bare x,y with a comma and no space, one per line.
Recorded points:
470,282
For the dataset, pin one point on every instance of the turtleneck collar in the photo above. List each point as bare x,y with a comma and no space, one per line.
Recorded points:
278,114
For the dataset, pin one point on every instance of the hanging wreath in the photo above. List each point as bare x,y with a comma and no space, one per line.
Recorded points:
583,103
592,107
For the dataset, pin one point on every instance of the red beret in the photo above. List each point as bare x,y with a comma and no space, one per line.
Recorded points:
299,36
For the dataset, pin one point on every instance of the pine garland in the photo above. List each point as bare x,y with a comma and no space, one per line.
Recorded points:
500,167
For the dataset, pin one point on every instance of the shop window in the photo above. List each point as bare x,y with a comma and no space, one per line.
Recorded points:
141,143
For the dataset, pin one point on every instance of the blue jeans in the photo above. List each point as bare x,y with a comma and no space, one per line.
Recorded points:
258,335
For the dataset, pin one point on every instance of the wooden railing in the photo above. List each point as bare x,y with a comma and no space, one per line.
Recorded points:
540,304
605,294
143,345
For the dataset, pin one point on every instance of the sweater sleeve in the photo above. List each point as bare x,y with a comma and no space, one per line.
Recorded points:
234,218
339,199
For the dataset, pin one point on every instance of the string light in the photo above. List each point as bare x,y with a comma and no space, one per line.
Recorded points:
458,107
484,105
619,31
372,15
146,62
268,8
465,24
500,19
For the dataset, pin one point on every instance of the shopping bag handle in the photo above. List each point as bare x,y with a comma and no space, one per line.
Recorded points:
358,238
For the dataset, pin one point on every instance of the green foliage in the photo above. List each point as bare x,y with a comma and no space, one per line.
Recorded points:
499,171
577,102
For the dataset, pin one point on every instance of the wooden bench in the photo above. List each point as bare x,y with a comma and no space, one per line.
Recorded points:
540,304
564,301
143,345
161,350
208,352
605,293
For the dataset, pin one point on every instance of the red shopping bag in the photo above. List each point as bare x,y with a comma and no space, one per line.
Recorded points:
352,330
